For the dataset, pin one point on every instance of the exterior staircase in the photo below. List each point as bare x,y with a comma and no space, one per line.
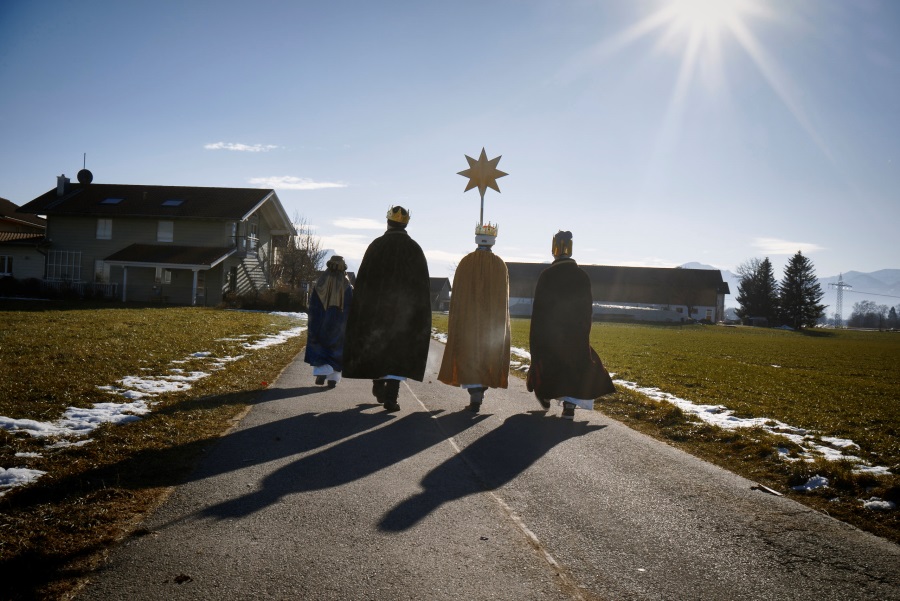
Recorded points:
254,273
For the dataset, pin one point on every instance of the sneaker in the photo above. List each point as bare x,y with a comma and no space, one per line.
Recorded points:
320,380
391,406
568,411
331,383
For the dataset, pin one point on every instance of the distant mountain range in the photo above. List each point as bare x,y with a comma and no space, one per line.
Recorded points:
882,287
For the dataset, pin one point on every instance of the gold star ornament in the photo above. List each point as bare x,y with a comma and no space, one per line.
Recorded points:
482,174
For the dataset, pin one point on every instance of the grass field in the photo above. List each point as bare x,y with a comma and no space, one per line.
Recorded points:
833,383
54,357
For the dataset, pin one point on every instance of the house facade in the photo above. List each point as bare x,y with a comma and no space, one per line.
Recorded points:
440,294
634,293
170,244
21,243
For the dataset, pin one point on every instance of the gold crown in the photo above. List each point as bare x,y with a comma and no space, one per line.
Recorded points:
398,214
488,229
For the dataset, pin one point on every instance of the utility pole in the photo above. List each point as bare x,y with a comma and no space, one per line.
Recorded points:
840,286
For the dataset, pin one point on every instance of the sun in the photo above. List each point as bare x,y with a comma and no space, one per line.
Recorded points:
705,17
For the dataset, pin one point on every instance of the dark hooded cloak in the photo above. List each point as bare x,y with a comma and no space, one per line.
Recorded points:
389,327
327,326
562,360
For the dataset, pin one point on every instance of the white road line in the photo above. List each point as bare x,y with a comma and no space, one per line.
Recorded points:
568,583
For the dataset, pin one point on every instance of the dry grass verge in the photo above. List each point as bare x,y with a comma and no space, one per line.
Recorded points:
54,530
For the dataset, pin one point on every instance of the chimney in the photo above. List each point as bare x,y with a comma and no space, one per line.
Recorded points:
62,182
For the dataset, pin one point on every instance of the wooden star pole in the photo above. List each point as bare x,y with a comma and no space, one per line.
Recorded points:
482,174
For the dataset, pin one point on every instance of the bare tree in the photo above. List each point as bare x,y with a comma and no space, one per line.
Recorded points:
303,257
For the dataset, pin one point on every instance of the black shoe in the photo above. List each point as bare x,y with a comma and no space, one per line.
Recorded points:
568,411
331,383
545,403
391,406
320,380
391,391
378,390
476,397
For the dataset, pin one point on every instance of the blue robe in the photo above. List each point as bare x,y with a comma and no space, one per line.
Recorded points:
325,338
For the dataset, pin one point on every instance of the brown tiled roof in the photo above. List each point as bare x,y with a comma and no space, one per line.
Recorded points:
615,284
9,210
24,237
147,201
166,254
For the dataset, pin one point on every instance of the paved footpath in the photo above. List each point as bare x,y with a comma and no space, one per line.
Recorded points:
320,494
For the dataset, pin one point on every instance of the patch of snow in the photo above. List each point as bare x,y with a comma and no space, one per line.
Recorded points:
17,476
79,422
813,483
520,352
879,505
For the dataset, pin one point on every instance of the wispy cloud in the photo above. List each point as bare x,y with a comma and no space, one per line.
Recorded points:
349,246
289,182
443,256
359,223
775,246
240,147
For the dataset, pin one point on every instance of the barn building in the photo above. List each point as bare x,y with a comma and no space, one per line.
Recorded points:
634,293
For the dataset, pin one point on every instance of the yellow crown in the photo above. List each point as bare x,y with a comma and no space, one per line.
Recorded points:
398,214
488,229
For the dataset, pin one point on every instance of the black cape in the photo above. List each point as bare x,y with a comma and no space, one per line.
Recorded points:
562,360
389,326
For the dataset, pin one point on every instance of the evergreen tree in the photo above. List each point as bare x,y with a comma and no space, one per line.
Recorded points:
893,321
757,290
800,293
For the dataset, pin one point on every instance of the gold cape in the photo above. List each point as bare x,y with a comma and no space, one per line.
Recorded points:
477,349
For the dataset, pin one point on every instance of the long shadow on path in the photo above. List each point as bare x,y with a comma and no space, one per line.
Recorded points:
350,460
488,463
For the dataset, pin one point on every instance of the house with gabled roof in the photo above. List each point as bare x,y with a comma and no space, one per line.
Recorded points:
21,243
174,244
440,294
634,293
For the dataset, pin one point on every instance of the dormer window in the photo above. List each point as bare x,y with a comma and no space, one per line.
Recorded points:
111,201
173,202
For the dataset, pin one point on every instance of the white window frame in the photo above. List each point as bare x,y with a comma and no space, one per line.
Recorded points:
6,263
104,228
165,231
252,236
163,275
101,271
64,265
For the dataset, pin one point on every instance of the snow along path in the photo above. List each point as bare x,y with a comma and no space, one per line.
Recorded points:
830,448
79,422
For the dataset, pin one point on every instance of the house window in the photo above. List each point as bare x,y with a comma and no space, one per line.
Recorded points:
101,272
172,202
252,236
64,265
104,229
163,276
5,265
165,231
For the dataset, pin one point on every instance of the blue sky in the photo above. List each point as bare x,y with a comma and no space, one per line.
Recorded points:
657,132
